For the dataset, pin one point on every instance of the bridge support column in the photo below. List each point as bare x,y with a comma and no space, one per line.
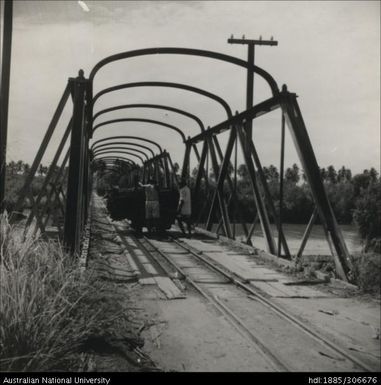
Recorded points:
74,213
261,208
307,157
185,170
4,92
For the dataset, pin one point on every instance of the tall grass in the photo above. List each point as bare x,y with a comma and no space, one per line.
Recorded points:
46,310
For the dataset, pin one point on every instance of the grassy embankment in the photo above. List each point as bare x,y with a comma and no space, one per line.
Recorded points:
47,310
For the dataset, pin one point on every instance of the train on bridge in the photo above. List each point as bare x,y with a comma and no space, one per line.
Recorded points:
130,204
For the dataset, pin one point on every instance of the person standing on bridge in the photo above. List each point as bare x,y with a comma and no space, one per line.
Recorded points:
184,209
152,206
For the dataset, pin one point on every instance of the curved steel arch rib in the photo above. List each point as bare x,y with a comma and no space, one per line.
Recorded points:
94,148
104,152
155,106
113,159
121,148
187,51
181,86
144,121
110,164
128,137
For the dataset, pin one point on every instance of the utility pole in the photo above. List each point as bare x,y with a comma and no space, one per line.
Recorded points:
250,74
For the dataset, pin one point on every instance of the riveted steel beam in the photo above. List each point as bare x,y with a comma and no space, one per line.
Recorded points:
311,169
6,21
252,113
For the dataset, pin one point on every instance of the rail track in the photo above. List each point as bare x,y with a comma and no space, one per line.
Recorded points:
285,341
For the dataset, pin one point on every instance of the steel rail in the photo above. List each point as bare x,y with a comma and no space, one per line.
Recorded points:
270,357
278,309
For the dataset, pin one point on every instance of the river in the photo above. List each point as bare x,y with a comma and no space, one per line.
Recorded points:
316,244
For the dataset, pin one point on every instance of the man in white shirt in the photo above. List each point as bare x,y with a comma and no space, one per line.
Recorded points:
184,209
152,206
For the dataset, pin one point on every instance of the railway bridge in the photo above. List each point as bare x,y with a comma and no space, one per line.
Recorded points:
216,264
144,157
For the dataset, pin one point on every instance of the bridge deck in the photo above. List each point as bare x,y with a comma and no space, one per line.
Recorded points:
196,318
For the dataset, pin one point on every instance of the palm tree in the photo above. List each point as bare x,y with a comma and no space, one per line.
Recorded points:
331,174
323,174
19,166
242,171
292,174
12,167
26,168
273,173
373,175
42,170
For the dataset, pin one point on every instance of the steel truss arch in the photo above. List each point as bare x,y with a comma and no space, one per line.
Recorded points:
187,51
128,137
155,106
121,148
181,86
124,159
104,152
174,128
94,148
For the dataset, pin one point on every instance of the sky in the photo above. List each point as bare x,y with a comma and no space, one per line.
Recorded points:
328,53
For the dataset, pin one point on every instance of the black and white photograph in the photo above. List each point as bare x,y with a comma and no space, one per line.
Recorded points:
190,187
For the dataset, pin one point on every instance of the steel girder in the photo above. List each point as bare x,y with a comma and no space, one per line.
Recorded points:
6,21
41,151
77,193
287,102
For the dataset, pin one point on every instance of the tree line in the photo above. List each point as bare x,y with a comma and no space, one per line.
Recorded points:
355,199
22,168
16,173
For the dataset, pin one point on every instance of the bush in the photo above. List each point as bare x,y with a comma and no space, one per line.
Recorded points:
367,216
45,306
367,272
